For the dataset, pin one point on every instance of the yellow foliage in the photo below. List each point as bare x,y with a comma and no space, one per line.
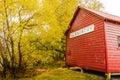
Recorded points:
35,29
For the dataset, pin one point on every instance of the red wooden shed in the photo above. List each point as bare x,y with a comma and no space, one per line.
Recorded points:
93,41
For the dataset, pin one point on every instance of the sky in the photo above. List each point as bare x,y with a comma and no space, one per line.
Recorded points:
112,6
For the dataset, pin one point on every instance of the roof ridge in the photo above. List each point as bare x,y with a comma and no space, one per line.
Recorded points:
105,15
99,11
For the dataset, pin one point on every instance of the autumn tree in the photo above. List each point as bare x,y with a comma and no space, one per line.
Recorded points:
92,4
16,18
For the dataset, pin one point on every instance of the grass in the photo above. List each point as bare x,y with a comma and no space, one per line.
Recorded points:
53,72
63,74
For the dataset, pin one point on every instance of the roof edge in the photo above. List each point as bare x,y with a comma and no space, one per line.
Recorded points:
106,19
85,9
75,14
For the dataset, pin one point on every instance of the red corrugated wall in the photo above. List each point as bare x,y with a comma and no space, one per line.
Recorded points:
112,33
88,50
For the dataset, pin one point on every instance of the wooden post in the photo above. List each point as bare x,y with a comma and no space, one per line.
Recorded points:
108,76
81,70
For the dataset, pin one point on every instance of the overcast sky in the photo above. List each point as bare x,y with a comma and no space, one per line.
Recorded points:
112,6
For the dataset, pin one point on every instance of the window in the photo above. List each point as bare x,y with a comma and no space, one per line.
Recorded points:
118,41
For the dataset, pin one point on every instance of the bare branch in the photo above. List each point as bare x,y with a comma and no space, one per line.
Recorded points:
6,15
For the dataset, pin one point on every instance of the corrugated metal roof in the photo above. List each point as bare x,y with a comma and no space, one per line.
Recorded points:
103,15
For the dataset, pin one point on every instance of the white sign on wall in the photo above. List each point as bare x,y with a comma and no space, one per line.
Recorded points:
82,31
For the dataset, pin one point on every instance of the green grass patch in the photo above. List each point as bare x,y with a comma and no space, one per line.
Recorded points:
53,65
63,74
